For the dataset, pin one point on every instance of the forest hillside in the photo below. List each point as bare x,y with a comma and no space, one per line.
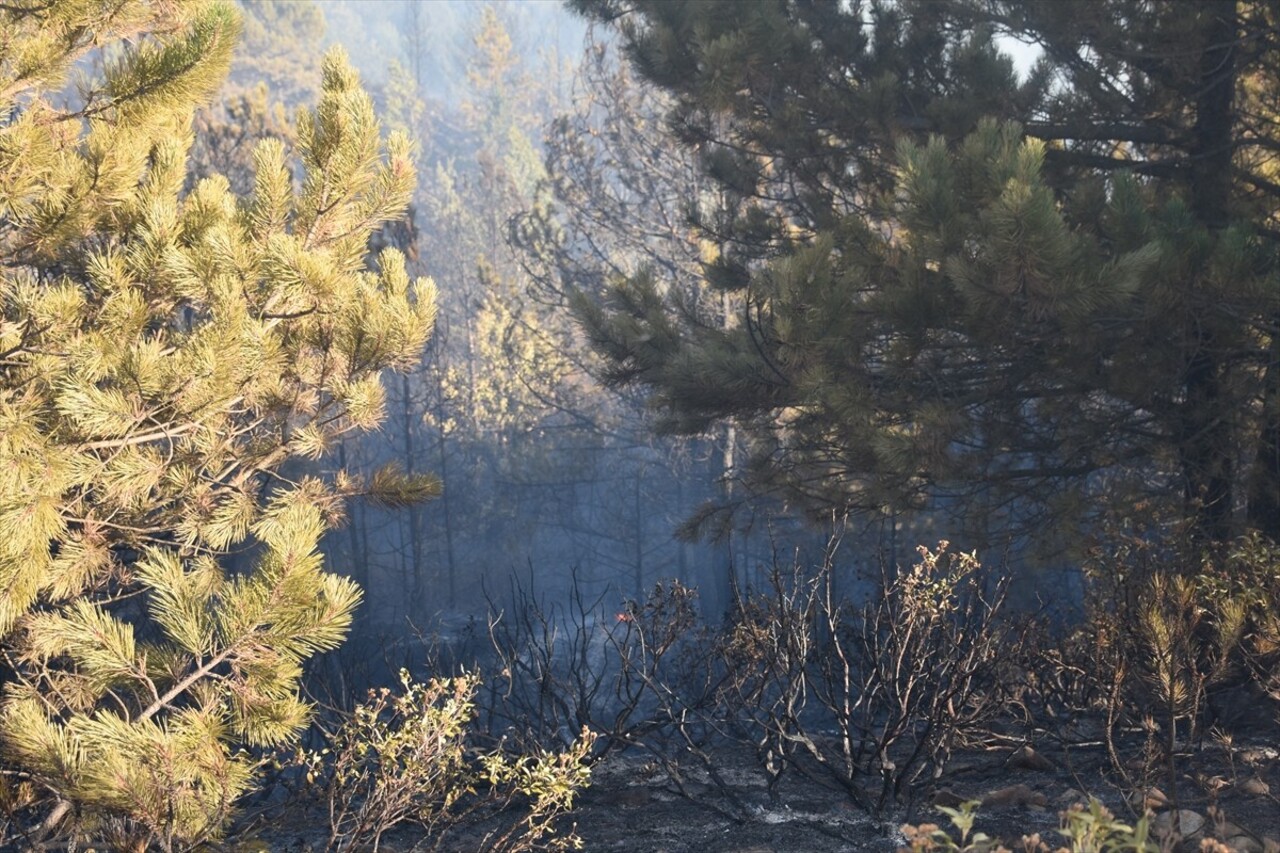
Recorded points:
640,425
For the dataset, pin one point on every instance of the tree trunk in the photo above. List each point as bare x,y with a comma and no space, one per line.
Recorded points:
1264,481
415,528
441,417
1207,453
359,552
638,555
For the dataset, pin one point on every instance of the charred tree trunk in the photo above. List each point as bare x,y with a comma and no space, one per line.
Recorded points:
1264,481
446,495
1206,449
415,526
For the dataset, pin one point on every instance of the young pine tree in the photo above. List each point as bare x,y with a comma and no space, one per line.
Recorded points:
1018,304
162,355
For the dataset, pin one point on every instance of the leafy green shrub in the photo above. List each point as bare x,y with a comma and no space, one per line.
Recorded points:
1087,829
404,757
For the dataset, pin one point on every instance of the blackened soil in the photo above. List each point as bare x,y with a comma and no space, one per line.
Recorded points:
635,806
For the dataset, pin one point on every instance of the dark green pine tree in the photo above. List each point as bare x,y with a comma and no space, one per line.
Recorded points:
1025,300
161,356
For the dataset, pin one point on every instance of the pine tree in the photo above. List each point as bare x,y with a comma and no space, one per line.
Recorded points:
275,69
1020,300
227,134
162,356
278,48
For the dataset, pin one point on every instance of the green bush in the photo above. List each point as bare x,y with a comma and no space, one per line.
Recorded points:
1086,829
405,757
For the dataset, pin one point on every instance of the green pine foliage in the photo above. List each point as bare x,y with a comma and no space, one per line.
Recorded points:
1019,301
162,355
892,362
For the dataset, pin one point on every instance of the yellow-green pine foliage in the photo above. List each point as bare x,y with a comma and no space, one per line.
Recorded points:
161,356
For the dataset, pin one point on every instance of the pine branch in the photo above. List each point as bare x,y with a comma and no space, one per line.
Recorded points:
182,686
168,433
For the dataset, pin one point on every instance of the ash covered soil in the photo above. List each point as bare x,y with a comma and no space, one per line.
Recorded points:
1225,790
633,806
